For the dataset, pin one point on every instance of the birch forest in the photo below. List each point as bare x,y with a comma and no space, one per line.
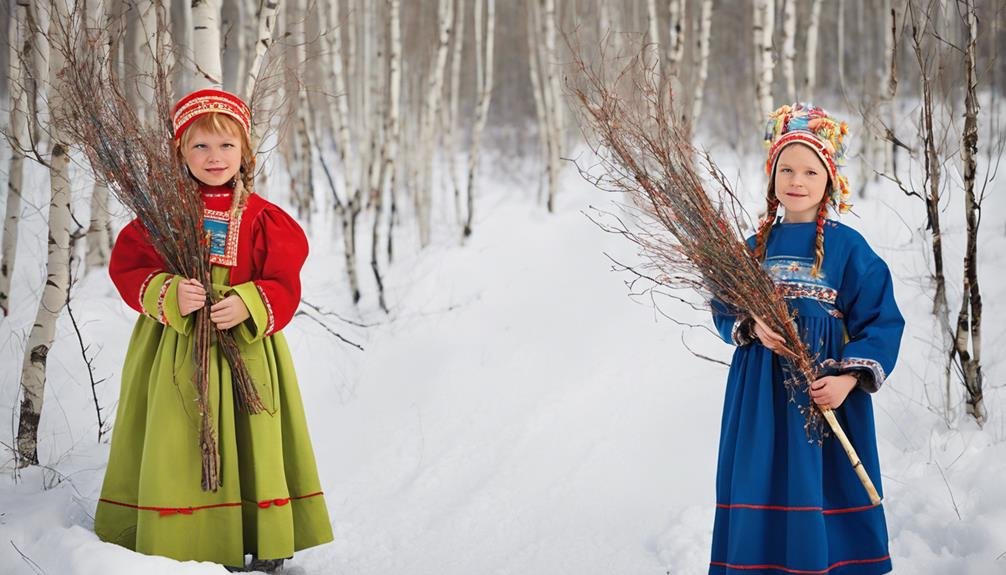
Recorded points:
385,125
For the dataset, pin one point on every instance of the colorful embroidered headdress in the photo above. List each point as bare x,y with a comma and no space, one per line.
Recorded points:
207,101
814,127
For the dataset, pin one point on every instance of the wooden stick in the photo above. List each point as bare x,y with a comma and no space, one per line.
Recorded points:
857,465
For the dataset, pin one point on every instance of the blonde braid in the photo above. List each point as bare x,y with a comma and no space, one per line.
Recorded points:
761,238
243,187
822,213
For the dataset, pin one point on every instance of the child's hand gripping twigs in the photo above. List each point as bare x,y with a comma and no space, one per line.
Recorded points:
827,393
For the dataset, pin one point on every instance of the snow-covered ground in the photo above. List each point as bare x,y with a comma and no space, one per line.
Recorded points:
517,412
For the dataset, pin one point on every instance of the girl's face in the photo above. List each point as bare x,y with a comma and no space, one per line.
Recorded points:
214,158
800,182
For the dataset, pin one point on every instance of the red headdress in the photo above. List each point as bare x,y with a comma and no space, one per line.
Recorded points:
206,101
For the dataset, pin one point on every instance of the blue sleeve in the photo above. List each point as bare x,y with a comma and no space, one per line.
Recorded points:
732,327
873,323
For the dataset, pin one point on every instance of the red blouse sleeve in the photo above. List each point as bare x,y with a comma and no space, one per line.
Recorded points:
133,264
279,249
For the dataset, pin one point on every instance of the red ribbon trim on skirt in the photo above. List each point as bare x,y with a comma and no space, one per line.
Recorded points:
800,571
166,511
786,508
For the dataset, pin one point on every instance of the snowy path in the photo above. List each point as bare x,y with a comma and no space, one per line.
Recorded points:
517,414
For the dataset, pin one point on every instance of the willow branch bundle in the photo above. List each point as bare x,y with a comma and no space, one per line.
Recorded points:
689,238
140,166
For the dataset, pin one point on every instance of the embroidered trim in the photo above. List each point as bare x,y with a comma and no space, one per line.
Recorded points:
209,103
853,362
162,315
792,290
835,511
740,334
143,286
801,571
271,323
165,511
230,256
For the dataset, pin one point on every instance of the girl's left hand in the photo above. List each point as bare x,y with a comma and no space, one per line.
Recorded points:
229,312
831,391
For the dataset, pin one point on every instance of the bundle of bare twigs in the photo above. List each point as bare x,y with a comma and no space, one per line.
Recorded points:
140,166
689,239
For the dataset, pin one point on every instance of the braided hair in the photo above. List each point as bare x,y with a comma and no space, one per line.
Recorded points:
771,212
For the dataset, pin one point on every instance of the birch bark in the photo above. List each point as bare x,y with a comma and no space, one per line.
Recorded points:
301,172
764,25
702,60
54,294
141,38
20,57
534,71
234,51
553,108
424,195
267,15
485,93
810,79
347,208
99,232
181,37
969,319
457,57
206,44
789,48
390,154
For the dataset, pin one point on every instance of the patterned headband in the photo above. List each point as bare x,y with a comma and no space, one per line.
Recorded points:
208,101
814,127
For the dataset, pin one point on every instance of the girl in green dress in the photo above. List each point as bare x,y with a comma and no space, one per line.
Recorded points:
269,502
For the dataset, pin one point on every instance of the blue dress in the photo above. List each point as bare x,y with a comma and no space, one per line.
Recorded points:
785,504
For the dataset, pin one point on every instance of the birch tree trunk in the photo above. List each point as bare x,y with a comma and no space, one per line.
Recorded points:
233,15
347,208
789,48
206,44
301,170
141,34
764,24
181,38
99,231
810,80
457,56
534,70
969,319
485,93
37,71
390,154
702,60
553,108
676,38
54,294
652,51
20,57
890,86
840,19
267,14
424,195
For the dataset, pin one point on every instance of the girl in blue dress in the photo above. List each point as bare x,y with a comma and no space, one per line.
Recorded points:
786,503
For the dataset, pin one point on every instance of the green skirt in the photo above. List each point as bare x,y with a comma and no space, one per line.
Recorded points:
270,502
